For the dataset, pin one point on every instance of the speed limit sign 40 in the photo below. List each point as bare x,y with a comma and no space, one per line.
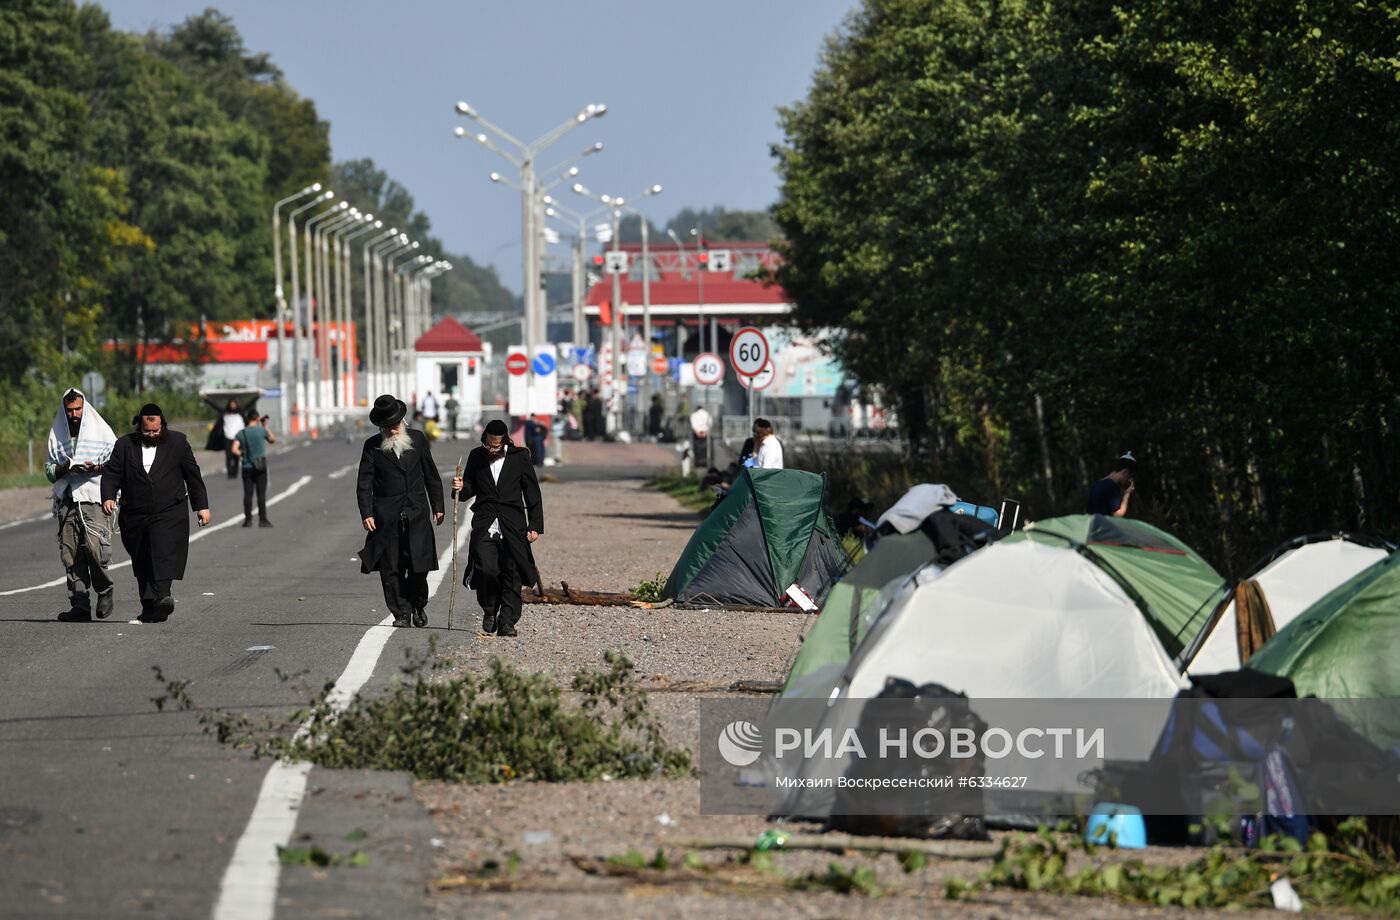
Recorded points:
709,369
748,352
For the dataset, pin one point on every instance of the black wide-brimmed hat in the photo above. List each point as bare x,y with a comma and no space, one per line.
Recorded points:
387,412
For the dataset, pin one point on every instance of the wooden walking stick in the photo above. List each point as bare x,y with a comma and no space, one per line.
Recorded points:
452,596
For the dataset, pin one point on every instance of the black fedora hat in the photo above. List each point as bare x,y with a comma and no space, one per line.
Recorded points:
387,412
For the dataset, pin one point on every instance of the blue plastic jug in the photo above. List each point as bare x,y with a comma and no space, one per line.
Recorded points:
1116,825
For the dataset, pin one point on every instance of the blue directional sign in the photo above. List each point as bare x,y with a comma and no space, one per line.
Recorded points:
583,355
544,364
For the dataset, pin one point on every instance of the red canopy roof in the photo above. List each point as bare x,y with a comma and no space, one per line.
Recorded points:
448,335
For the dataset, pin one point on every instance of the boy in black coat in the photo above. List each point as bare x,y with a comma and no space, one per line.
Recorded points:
507,517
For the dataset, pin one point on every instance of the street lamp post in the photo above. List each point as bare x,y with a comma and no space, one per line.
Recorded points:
380,246
325,297
299,394
351,385
398,324
523,156
619,205
284,401
312,243
336,314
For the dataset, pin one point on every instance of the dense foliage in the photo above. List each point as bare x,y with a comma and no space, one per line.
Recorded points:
139,174
1054,230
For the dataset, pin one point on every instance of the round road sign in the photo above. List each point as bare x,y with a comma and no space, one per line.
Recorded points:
709,369
583,373
660,364
517,363
748,351
544,364
761,380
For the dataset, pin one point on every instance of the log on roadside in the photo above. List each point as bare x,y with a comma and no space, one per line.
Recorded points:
575,597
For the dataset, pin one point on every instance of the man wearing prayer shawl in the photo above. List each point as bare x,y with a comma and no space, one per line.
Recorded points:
80,443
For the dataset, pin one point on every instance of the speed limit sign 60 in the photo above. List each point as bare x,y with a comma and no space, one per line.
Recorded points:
709,369
748,351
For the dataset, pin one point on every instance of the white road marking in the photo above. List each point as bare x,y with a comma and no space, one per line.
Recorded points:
32,520
249,887
343,470
203,532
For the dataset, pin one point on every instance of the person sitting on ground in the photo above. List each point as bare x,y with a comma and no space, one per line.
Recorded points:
855,519
1110,494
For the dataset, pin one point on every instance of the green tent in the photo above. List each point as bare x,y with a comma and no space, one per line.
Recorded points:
1343,646
856,600
1173,586
770,532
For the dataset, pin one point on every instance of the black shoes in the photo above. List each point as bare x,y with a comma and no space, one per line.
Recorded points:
247,522
104,605
399,623
262,522
488,624
75,616
158,612
506,632
420,617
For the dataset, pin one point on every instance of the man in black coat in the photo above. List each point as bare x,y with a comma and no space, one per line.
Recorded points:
398,487
507,517
155,472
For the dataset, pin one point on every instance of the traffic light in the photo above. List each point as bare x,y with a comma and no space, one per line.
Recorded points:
704,258
598,260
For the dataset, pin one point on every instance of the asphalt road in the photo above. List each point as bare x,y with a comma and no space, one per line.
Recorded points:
111,808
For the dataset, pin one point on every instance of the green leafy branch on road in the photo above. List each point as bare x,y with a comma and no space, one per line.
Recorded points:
650,589
1351,869
503,725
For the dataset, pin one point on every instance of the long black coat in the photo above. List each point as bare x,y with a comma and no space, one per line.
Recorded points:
514,501
390,486
153,516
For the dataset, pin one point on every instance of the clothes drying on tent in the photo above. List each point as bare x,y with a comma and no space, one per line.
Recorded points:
1343,648
856,600
769,533
1179,589
1292,578
906,514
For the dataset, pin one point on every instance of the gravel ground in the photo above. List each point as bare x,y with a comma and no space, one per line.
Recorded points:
541,850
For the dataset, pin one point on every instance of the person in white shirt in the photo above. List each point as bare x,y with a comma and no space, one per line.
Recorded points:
769,450
429,406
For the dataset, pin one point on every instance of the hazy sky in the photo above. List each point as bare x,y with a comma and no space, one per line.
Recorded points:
691,90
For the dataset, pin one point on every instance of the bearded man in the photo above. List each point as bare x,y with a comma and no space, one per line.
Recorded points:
154,471
80,442
507,517
398,487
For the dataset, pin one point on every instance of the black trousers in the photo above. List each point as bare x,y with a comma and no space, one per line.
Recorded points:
498,583
231,461
404,592
255,479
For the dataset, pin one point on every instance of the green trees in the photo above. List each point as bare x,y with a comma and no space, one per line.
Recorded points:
1163,228
138,177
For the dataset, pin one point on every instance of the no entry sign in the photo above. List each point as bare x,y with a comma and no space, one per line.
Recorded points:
660,364
517,363
748,352
709,369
